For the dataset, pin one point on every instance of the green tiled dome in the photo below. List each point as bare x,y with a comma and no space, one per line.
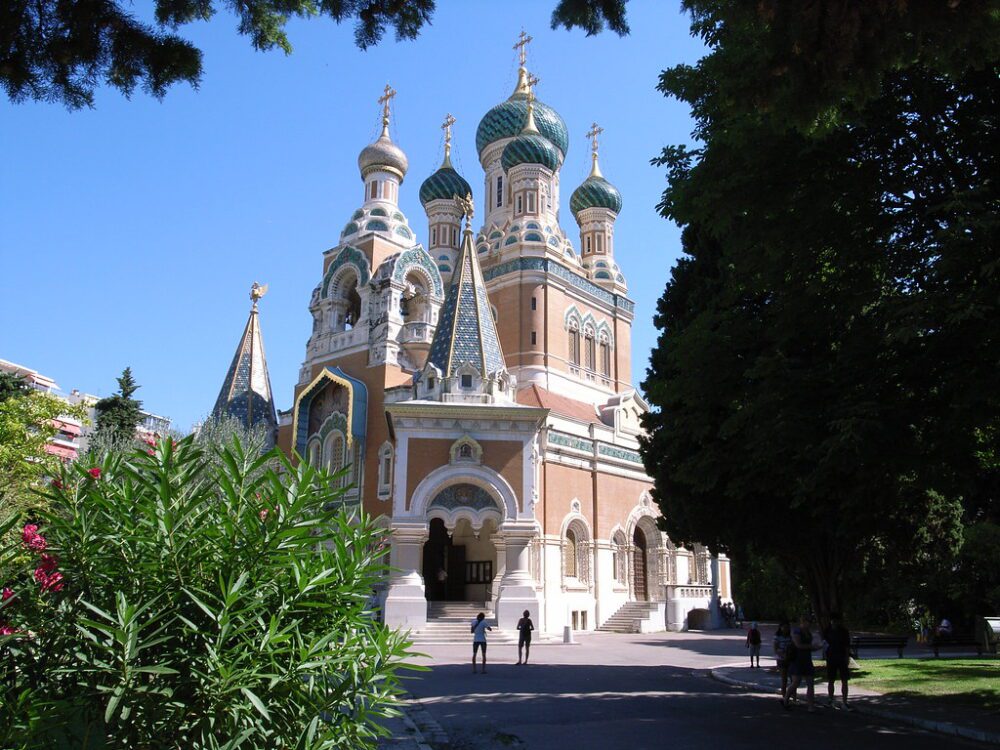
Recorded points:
530,149
506,120
595,192
444,184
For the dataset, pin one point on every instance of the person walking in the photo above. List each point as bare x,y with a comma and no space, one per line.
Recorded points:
837,641
524,628
478,629
753,643
802,667
782,644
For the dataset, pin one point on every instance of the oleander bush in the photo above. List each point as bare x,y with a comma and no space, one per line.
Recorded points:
170,598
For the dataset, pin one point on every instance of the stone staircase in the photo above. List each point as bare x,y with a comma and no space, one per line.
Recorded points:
449,622
627,619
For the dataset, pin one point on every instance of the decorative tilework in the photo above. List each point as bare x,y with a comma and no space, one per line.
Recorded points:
556,269
466,332
571,441
622,453
348,255
464,496
417,256
246,390
444,184
595,192
530,149
506,120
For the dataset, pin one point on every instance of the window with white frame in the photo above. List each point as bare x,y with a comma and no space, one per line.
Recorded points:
385,458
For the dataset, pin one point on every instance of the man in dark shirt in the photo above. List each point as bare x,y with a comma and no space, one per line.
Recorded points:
837,641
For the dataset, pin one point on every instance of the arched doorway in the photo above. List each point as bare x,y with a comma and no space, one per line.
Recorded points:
460,566
444,565
639,565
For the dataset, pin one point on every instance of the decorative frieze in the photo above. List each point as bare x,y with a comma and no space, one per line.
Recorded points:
571,441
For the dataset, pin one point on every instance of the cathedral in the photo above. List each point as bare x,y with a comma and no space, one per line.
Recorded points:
477,391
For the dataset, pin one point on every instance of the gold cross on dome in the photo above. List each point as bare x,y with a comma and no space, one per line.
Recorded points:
384,100
595,130
446,127
533,81
522,47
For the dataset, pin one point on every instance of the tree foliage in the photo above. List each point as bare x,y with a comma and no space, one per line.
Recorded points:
62,51
172,601
119,415
829,337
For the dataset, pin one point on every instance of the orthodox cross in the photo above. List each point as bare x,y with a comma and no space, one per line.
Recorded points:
522,47
446,127
595,130
532,82
384,101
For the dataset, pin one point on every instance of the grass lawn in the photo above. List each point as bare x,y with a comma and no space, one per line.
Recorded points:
971,682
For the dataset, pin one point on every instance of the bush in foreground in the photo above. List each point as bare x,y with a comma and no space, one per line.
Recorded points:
173,600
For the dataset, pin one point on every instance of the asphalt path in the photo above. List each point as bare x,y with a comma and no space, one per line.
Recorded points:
635,692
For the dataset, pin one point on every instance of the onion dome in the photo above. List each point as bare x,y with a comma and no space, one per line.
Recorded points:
507,120
595,192
530,147
383,155
445,184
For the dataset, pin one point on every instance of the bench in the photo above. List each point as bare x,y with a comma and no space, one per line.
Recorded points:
897,642
938,642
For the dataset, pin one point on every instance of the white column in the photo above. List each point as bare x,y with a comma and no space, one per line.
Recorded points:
500,545
405,603
517,588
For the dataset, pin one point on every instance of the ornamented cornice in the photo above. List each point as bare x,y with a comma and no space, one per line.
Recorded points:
548,266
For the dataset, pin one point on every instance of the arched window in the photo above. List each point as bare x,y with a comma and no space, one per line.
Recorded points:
434,236
574,346
313,457
499,192
576,556
605,359
570,553
619,555
531,202
334,456
589,347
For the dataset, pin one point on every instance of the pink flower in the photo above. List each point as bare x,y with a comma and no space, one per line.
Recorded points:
48,563
151,452
263,514
150,442
56,484
31,538
54,582
8,630
8,593
95,472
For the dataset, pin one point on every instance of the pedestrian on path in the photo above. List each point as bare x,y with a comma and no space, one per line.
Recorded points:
524,628
753,643
837,642
782,644
478,629
801,667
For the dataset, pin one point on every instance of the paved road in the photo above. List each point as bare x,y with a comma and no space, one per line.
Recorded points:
635,692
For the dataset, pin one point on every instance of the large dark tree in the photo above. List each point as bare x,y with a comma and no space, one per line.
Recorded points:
119,415
822,381
61,50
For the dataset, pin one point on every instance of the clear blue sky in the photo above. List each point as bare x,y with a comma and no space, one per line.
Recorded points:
130,233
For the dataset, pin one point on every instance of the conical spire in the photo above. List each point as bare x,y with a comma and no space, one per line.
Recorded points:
466,333
246,391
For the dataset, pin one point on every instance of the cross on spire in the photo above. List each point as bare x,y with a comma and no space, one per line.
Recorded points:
384,100
446,127
522,47
595,130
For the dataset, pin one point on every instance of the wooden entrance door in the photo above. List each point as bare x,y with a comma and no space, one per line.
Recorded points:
639,565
